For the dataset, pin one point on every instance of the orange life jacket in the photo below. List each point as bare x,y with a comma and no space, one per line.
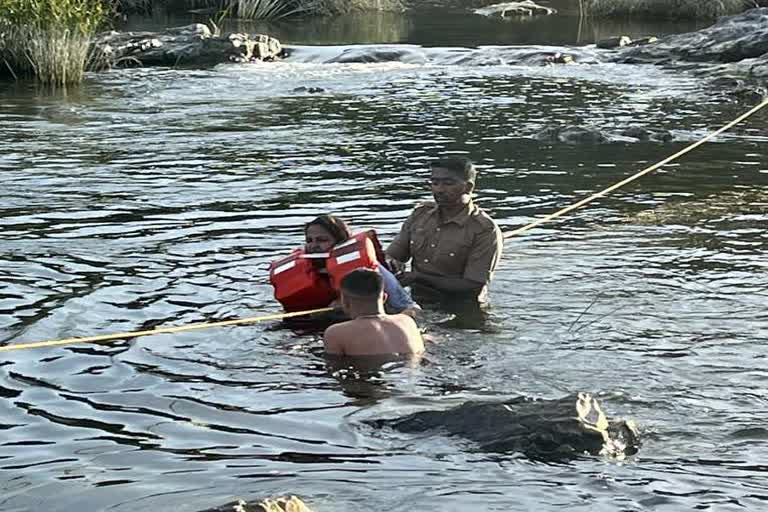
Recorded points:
300,286
363,250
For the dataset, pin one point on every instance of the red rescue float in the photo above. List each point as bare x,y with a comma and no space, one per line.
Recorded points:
298,284
363,250
301,285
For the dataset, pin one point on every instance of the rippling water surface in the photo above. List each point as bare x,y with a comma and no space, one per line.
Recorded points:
157,197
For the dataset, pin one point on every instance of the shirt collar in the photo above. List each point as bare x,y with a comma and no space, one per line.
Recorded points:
460,218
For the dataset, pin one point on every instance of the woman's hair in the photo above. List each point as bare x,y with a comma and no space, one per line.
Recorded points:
334,225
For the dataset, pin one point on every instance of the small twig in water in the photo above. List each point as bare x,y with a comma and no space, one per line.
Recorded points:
585,310
599,319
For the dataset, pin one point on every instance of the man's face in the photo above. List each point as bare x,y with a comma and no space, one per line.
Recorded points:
448,189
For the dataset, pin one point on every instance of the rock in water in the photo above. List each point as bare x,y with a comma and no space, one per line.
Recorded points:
646,134
188,45
610,43
377,54
731,39
540,429
571,134
509,9
282,504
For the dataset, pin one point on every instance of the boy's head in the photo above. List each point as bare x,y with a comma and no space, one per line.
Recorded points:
361,288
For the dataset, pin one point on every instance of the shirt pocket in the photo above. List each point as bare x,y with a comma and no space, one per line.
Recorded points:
419,240
451,258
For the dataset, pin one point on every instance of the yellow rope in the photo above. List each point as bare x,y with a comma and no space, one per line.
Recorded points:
552,216
161,330
635,176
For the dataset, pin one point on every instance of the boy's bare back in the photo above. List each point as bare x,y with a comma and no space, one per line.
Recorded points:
374,335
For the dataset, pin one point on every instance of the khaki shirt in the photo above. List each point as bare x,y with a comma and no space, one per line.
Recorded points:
467,245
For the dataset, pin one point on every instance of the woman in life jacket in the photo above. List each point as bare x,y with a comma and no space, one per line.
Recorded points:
329,238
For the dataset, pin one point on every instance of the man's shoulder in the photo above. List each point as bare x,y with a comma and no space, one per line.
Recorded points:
421,212
424,208
484,221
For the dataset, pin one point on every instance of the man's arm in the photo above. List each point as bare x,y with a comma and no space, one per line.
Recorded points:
400,248
484,256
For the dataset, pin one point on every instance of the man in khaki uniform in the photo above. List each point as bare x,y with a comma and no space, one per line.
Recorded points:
453,245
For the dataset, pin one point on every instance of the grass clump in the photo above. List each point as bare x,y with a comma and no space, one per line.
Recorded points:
48,39
669,9
278,9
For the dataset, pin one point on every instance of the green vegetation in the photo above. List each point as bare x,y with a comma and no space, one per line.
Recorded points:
277,9
48,39
670,9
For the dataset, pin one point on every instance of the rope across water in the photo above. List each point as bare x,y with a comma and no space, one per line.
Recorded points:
507,235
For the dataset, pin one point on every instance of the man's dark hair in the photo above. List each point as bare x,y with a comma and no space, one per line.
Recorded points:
460,166
334,225
363,282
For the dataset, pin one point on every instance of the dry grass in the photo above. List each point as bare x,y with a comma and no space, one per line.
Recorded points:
48,39
669,9
278,9
53,56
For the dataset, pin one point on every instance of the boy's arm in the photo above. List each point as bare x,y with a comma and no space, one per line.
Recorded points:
333,341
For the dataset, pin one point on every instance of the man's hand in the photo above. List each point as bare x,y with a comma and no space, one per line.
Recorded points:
396,266
408,278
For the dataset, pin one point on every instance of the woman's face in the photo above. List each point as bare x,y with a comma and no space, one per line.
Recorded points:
318,239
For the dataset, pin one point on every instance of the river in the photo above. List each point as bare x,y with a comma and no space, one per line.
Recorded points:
151,197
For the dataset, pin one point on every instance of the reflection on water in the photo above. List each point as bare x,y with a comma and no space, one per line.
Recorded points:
158,197
428,26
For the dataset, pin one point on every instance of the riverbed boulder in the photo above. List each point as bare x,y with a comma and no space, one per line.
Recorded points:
540,429
571,134
281,504
755,68
518,56
189,45
609,43
643,134
515,9
612,43
576,134
738,90
730,39
377,54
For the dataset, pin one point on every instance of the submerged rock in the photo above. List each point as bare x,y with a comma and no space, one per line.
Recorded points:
540,429
571,134
188,45
520,56
738,90
510,9
724,205
731,39
375,54
646,134
282,504
310,90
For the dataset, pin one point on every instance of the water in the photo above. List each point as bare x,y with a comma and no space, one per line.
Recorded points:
158,197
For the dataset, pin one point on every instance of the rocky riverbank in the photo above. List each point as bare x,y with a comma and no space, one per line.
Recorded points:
190,45
734,44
